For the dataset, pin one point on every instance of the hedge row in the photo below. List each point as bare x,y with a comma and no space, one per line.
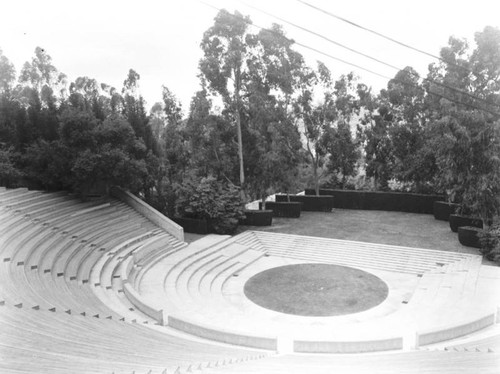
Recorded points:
469,236
457,221
373,200
443,209
194,226
257,218
282,209
310,203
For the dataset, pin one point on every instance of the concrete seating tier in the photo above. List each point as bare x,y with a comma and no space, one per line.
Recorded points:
28,195
400,363
94,345
73,275
487,341
149,255
434,297
81,286
49,215
34,201
13,192
100,276
57,302
490,344
350,253
79,223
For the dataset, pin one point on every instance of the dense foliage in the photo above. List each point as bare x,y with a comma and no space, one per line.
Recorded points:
279,126
490,242
210,199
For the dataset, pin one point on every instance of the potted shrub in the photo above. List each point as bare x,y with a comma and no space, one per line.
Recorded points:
490,241
463,218
213,201
443,209
283,209
467,145
469,236
257,218
459,220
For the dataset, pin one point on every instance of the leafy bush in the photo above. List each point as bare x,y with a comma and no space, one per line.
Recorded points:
490,241
213,200
10,175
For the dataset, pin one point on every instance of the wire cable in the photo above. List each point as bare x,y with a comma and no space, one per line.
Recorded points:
368,56
382,35
321,36
357,66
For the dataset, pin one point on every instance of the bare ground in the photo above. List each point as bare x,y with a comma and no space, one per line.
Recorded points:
374,226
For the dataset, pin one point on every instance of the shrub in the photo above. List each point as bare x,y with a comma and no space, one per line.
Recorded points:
10,175
212,200
490,241
257,218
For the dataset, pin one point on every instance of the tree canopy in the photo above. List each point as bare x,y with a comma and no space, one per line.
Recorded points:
263,121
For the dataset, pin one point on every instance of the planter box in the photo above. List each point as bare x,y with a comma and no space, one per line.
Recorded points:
468,236
376,200
194,226
288,210
257,218
443,209
457,220
310,203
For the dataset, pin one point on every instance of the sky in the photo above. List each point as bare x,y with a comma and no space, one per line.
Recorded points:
160,40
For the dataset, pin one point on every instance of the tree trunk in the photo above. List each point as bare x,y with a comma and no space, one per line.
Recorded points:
238,127
240,148
316,178
315,162
263,198
344,179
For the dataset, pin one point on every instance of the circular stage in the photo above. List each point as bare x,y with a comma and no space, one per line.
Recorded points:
316,290
314,295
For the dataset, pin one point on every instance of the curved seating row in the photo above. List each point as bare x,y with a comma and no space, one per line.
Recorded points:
490,344
359,254
93,345
62,306
77,279
402,363
203,286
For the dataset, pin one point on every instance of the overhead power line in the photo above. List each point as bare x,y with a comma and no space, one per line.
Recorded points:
370,57
321,36
382,35
356,65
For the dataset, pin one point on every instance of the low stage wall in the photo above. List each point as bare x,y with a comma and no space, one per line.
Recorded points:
303,346
223,336
452,332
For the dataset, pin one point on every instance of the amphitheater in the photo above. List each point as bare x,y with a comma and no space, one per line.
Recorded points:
110,286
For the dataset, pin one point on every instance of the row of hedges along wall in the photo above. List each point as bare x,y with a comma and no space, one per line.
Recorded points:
374,200
194,226
457,220
443,210
469,236
310,203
